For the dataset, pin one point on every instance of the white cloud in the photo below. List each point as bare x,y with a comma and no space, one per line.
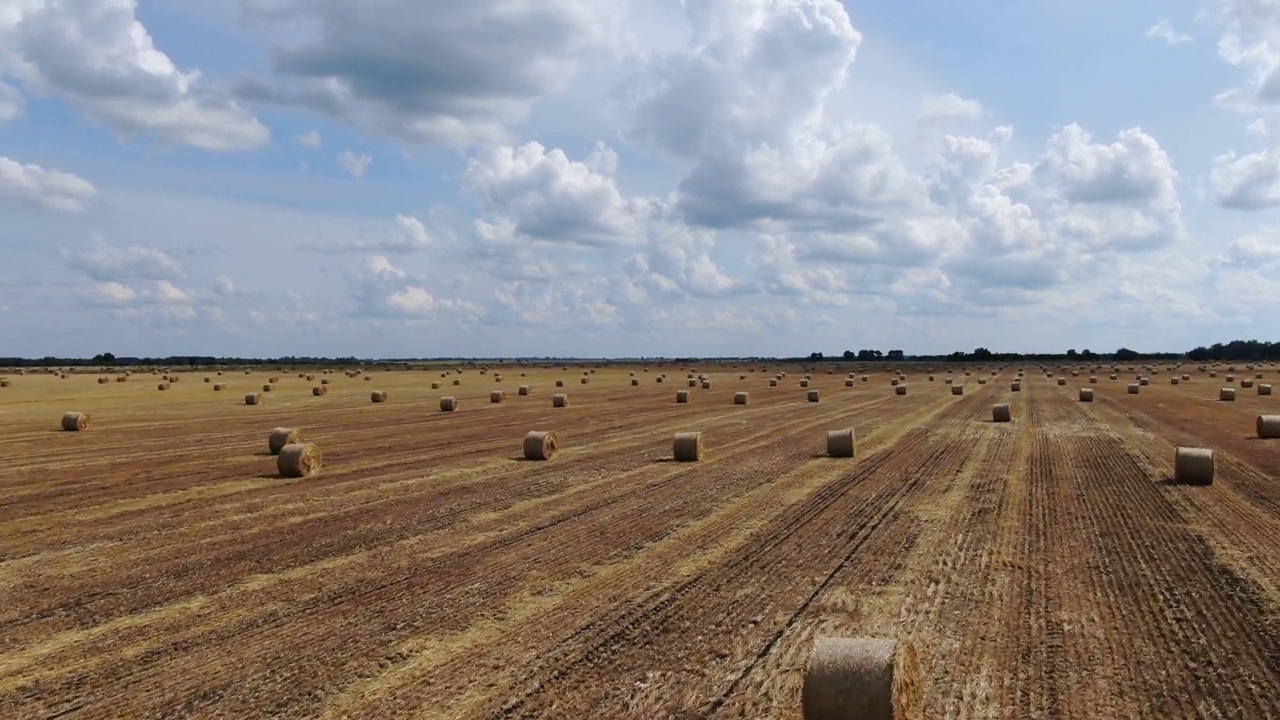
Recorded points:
107,263
355,165
224,286
1251,42
1163,30
309,139
943,108
407,234
426,70
12,104
1249,182
386,291
97,56
35,185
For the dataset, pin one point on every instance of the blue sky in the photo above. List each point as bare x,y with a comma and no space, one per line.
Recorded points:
394,178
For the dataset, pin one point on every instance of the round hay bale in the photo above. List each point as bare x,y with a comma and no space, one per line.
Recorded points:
1269,426
448,403
1193,466
435,386
273,380
559,400
246,372
693,383
955,389
865,378
773,382
682,396
1231,378
268,388
659,379
368,378
1174,380
541,445
1227,394
522,390
75,421
560,383
1015,387
1185,377
208,379
282,436
894,382
930,378
320,390
1264,388
982,381
324,381
378,396
1086,394
495,396
299,460
1001,413
1133,388
840,443
902,390
219,387
163,386
456,381
585,380
804,383
253,399
311,378
740,398
1144,381
864,678
706,384
103,381
122,378
635,382
1062,382
813,396
1246,383
687,447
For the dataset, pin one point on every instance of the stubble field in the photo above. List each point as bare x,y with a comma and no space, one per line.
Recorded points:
155,565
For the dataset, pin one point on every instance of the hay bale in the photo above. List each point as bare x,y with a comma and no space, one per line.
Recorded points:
930,378
253,399
324,381
1269,426
1186,377
267,388
541,445
1086,394
1174,380
367,378
706,384
982,381
740,398
865,378
682,396
435,386
804,383
1015,387
299,460
659,379
1227,394
585,380
282,436
687,447
560,383
864,678
522,390
122,378
456,381
1062,382
448,403
163,386
1193,466
1133,388
559,400
955,389
635,382
75,421
1246,383
894,382
1264,389
496,396
311,378
320,390
378,396
103,381
219,387
773,382
901,390
840,443
1001,413
813,396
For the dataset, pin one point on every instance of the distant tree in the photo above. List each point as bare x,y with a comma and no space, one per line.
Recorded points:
816,356
104,359
895,355
1086,354
981,354
849,355
1126,354
1071,353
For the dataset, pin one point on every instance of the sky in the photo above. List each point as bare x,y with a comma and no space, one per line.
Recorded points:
606,178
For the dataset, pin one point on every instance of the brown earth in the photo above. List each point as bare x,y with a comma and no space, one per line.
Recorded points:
155,565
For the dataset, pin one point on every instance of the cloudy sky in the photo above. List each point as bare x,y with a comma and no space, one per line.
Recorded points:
636,177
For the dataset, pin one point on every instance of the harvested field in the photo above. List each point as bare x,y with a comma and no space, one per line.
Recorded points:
1043,568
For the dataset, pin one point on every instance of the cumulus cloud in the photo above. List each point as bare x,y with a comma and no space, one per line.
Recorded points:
1163,30
944,108
43,187
544,195
354,165
386,291
310,139
1249,182
97,56
12,105
107,263
1251,42
431,71
406,235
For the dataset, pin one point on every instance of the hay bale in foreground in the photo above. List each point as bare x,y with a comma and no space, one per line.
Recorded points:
1227,394
299,460
378,396
687,447
1001,413
740,398
282,436
253,399
559,400
861,677
840,443
1193,466
541,445
1269,426
448,403
1086,394
75,421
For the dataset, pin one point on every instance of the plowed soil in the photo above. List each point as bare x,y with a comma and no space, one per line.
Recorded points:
155,565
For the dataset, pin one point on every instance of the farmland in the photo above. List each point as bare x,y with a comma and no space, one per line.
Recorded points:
156,565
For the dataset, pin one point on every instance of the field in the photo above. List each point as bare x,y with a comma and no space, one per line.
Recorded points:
155,565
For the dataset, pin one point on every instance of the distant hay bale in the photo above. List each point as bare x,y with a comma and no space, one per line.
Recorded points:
273,380
448,403
560,383
299,460
1227,394
1185,377
103,381
1264,389
1143,382
75,421
268,388
378,396
1269,426
659,379
311,378
495,396
282,436
253,399
368,378
740,398
893,381
687,447
1246,383
246,372
848,383
840,443
435,385
163,386
955,389
324,381
1062,382
1001,413
813,396
1257,376
320,390
773,382
456,381
1213,374
804,383
861,677
522,390
902,390
219,387
1133,388
949,381
584,380
1015,387
865,378
1086,394
208,379
706,384
982,381
122,378
541,445
1231,378
1193,466
693,383
559,400
682,396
